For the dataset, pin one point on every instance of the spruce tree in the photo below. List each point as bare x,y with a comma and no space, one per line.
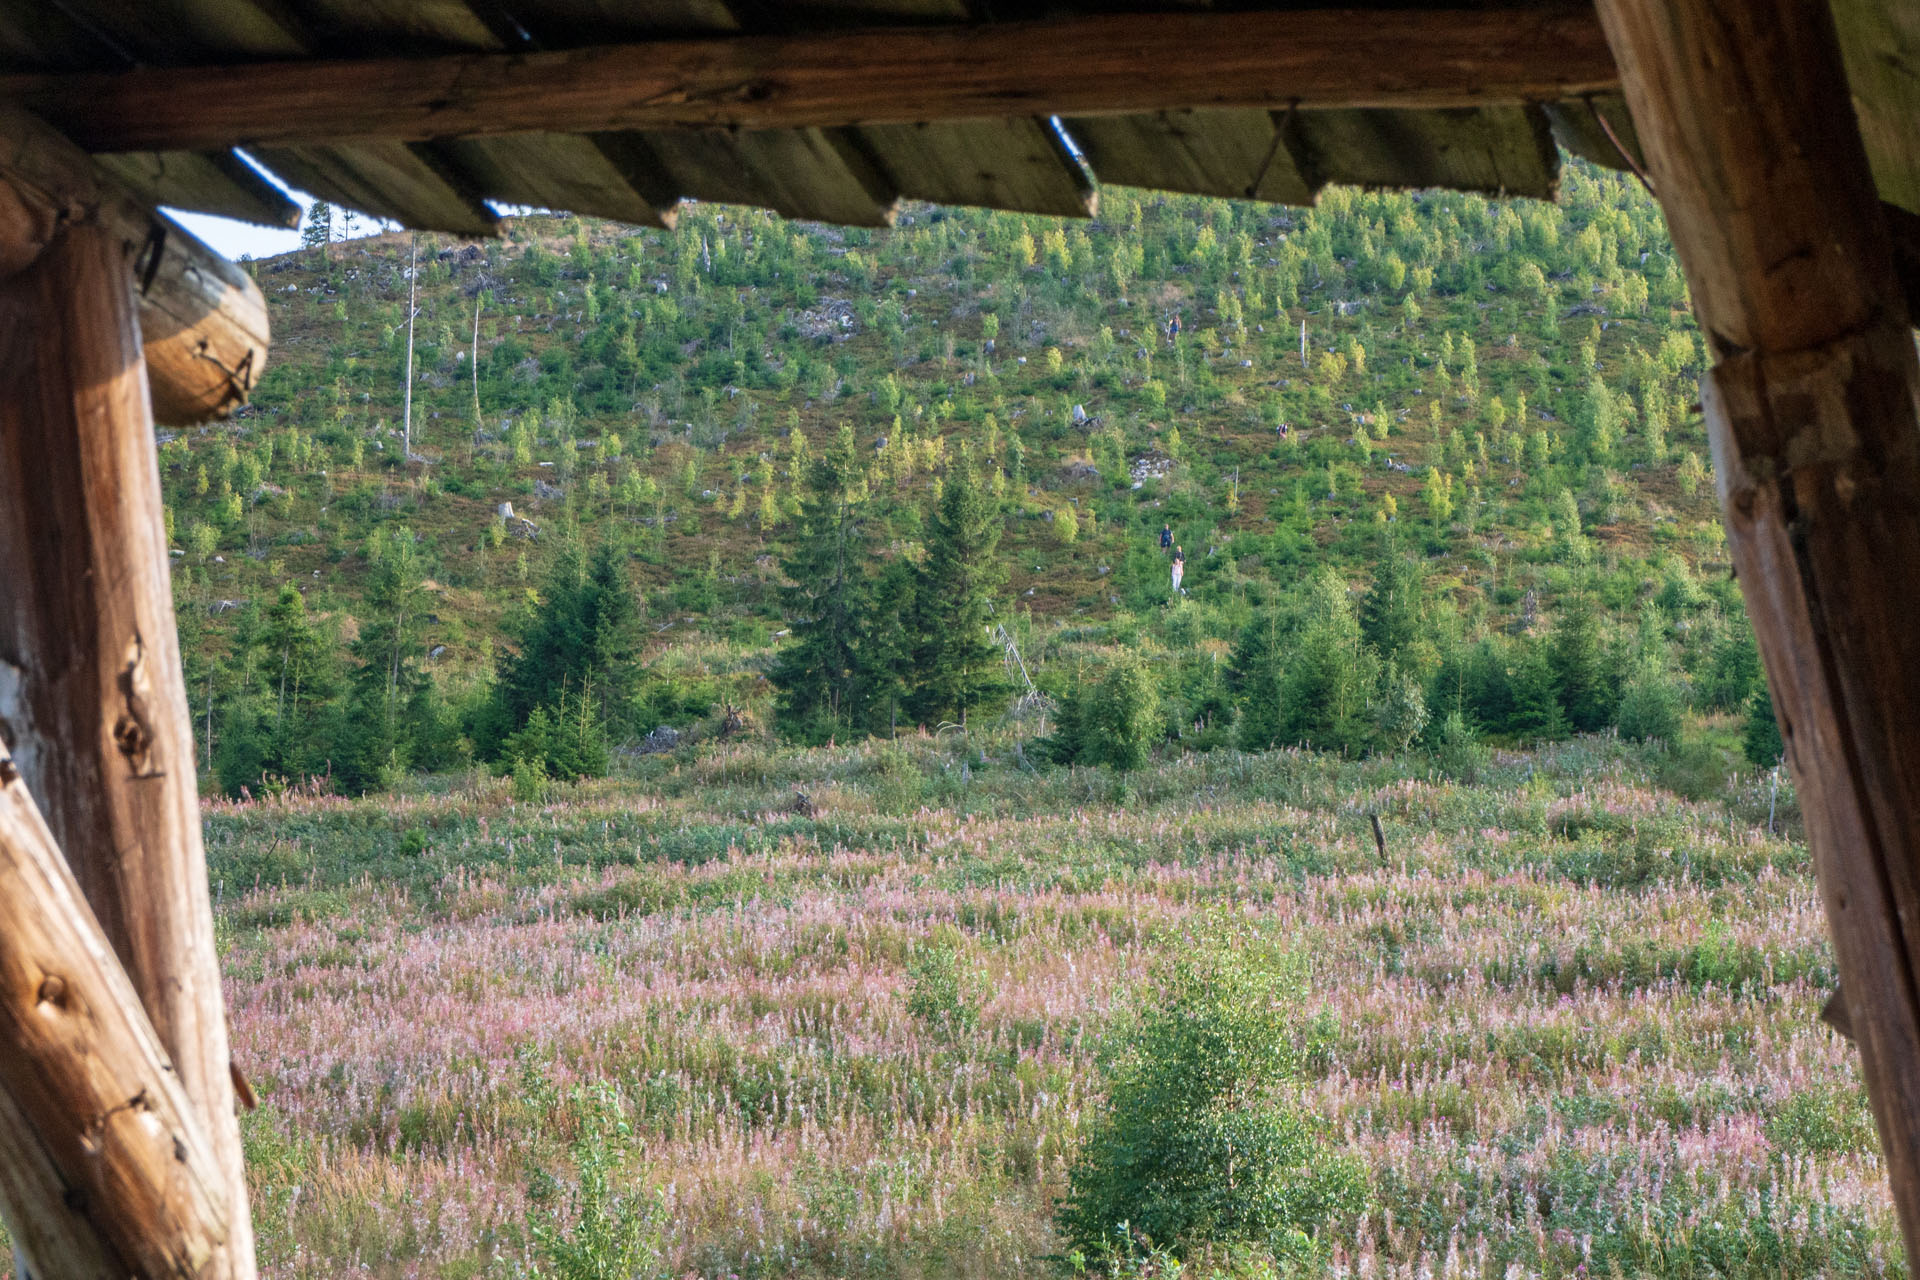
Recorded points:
960,667
817,676
888,652
1125,715
1254,674
1323,695
1582,680
1761,741
1536,714
317,230
298,666
584,633
1067,744
1392,617
1734,672
388,649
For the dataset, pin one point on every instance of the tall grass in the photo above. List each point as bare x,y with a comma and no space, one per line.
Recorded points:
1567,1026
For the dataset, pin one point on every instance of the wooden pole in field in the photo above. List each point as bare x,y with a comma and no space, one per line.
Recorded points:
90,682
104,1167
1813,405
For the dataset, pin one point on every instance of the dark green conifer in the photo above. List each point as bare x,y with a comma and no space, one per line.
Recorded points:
375,750
888,651
817,676
1323,696
1583,681
584,632
1124,723
1761,741
1393,613
1254,674
961,666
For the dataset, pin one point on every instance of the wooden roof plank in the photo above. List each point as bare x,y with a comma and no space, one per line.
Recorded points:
560,24
396,180
217,182
554,171
1497,150
813,174
1004,164
1582,126
1880,41
178,32
1238,154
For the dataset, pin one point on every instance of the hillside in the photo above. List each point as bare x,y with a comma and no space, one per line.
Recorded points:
1505,388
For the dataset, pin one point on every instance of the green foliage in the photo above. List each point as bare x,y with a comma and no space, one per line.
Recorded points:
1823,1122
1583,677
817,675
1398,711
582,633
1393,613
1650,707
1110,716
938,994
958,667
1734,674
1125,716
1201,1141
1760,741
1325,689
565,741
1457,750
593,1227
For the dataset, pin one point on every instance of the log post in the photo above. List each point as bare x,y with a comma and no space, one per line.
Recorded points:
90,684
1813,405
104,1168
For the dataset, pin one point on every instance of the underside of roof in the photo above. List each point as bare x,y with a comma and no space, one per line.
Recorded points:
849,174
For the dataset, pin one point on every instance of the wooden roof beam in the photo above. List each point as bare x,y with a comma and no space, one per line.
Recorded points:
1085,65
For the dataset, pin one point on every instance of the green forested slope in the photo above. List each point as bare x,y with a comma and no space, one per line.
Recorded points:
1426,454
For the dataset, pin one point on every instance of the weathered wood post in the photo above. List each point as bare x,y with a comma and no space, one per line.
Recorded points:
1813,405
90,683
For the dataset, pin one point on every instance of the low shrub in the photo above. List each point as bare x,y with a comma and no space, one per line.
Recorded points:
1201,1143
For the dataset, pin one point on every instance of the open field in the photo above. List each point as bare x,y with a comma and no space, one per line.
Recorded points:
1569,1027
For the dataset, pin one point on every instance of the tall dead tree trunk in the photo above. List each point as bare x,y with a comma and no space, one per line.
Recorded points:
1813,404
90,682
406,414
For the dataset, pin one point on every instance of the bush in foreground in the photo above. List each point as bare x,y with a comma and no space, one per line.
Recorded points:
1200,1144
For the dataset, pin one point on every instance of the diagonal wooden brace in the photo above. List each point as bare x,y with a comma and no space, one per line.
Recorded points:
104,1167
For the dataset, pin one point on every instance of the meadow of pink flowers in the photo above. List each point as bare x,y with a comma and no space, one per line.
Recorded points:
1569,1025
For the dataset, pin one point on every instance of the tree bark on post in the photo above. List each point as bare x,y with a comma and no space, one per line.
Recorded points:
1813,406
90,684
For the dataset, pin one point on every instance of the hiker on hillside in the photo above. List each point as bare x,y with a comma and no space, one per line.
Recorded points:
1179,570
1166,537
